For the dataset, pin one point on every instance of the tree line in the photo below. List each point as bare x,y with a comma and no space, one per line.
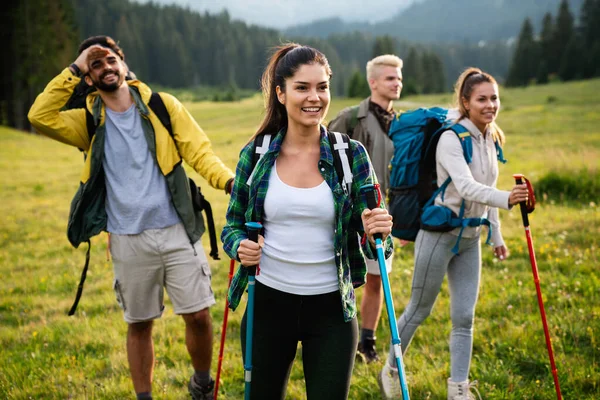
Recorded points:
176,47
562,50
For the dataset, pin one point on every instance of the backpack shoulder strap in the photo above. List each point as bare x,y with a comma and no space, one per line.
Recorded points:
261,146
467,143
157,105
464,136
499,152
342,158
89,122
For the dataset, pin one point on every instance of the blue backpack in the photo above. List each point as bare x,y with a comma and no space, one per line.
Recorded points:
413,177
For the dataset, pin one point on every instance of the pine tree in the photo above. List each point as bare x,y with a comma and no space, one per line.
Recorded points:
541,75
433,75
590,21
358,86
590,32
545,41
570,64
524,63
384,45
438,75
42,42
563,32
592,67
412,73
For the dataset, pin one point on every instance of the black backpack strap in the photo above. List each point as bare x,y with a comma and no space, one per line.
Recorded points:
90,124
212,234
81,280
201,204
158,106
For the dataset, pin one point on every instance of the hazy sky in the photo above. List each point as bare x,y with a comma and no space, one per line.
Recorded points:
286,13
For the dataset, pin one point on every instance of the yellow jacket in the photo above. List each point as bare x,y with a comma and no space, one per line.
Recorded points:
88,215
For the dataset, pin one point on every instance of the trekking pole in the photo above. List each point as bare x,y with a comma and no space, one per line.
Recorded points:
536,278
373,197
253,229
224,330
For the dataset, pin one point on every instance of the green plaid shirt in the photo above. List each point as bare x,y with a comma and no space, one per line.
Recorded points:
247,205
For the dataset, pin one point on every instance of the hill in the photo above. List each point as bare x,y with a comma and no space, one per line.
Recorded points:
48,355
444,21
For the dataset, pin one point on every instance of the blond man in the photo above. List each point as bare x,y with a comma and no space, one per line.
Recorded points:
368,122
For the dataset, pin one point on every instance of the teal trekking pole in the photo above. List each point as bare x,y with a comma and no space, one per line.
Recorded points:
253,229
373,197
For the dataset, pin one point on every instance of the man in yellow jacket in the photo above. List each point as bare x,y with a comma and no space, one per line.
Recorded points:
133,186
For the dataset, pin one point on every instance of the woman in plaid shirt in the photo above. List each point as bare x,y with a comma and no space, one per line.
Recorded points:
310,253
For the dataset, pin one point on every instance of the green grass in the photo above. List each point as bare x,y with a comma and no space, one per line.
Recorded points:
47,355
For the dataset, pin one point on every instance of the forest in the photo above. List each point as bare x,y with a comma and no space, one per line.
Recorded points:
174,47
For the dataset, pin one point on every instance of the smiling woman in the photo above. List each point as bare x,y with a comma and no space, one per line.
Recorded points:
305,289
470,193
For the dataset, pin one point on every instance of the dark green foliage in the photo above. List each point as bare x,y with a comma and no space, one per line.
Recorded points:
435,21
176,47
358,86
570,63
546,52
542,73
526,58
590,32
205,49
412,73
432,78
40,40
591,66
580,187
179,48
563,31
562,51
590,15
384,45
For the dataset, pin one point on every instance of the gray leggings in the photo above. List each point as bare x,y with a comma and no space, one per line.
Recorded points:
433,258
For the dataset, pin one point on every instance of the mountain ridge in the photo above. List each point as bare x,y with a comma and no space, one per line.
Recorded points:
462,22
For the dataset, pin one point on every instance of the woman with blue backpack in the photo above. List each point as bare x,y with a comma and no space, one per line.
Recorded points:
467,171
309,254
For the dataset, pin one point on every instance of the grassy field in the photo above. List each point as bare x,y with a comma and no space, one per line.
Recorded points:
48,355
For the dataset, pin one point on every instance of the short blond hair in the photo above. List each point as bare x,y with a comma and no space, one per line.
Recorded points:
388,60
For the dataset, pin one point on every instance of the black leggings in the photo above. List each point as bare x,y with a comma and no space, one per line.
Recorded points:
328,344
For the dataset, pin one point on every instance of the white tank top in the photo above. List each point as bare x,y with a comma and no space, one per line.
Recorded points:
298,254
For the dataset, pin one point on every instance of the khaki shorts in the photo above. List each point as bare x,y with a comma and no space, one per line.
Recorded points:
373,266
158,259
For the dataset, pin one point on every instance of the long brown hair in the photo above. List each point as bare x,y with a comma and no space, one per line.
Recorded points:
463,88
284,63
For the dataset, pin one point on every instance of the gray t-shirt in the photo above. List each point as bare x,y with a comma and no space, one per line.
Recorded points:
137,197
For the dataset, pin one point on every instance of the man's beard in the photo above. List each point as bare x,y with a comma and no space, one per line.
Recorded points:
111,87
